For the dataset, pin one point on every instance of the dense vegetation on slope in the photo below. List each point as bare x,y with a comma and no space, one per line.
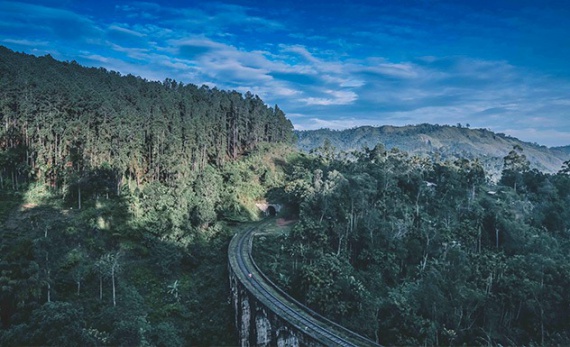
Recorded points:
415,251
443,142
60,122
115,196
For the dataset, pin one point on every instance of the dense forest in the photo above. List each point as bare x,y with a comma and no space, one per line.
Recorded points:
116,196
61,120
443,142
412,251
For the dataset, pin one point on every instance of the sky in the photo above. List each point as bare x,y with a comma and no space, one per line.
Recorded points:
502,65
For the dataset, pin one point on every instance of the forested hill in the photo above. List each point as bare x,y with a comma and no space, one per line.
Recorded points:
116,196
444,142
563,149
60,117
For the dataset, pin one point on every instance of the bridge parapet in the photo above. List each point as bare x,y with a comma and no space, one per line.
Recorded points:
266,316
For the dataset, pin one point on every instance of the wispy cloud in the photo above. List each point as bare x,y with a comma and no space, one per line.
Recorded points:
370,64
335,97
33,20
334,124
29,43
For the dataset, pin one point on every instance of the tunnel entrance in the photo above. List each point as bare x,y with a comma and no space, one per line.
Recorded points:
271,211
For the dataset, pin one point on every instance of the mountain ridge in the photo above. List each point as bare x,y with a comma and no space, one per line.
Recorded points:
439,141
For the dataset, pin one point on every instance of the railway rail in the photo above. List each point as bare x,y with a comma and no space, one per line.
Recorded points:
303,318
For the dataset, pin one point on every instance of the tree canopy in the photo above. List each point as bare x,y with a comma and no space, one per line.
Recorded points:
417,251
116,196
61,122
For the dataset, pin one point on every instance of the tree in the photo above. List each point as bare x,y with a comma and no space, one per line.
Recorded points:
110,265
54,323
565,168
515,164
375,155
208,187
78,261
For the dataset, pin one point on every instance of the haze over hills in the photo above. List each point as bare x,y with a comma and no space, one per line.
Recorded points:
561,149
440,141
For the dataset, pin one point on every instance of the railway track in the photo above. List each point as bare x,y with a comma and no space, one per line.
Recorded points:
289,309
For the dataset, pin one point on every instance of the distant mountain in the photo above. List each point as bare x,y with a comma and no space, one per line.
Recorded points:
444,142
565,150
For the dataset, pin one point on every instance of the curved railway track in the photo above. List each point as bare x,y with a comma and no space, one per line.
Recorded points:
289,309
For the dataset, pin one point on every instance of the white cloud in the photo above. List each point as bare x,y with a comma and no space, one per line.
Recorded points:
284,91
302,51
317,83
351,83
398,70
334,124
337,97
126,31
30,43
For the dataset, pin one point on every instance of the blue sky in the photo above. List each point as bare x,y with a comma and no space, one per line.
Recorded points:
502,65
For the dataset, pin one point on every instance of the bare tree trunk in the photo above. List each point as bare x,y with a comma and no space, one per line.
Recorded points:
541,308
339,245
48,279
113,281
114,270
418,202
119,183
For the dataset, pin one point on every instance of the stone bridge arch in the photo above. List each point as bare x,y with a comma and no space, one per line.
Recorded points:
267,316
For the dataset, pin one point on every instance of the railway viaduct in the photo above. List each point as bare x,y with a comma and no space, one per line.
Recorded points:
267,316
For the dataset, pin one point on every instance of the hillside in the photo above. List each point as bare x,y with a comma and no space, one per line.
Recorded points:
116,200
416,253
60,118
445,142
564,150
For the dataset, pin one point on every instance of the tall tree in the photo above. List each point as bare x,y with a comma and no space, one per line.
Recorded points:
515,164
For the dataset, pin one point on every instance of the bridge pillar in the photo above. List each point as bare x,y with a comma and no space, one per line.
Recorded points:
262,328
266,318
287,338
245,319
255,324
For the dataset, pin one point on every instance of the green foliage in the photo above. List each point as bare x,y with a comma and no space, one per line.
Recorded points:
443,142
115,193
89,132
147,266
54,323
415,251
114,197
515,164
